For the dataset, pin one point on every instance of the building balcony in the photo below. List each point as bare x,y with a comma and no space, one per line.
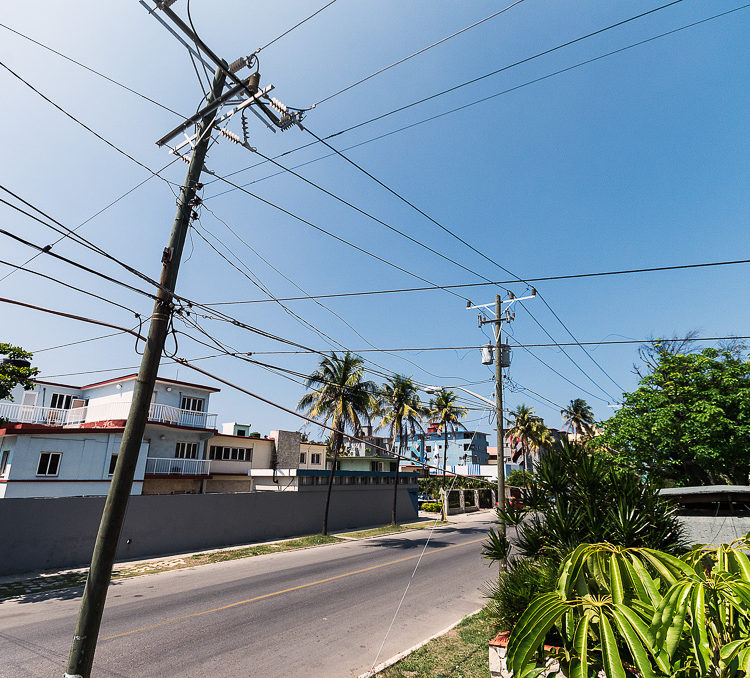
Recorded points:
156,466
103,412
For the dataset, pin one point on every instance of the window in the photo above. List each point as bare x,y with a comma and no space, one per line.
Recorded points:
376,465
112,464
302,457
428,448
186,451
49,463
466,446
230,453
61,401
315,458
192,404
241,432
4,459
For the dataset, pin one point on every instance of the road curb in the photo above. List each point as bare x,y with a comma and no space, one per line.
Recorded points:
401,655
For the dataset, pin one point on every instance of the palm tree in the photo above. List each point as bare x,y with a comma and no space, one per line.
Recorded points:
400,409
579,417
530,430
338,395
445,411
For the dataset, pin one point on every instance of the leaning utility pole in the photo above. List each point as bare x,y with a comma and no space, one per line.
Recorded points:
95,593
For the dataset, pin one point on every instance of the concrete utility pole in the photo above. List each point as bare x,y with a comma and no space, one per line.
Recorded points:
94,595
499,411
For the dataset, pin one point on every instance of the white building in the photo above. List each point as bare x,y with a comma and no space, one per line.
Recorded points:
60,440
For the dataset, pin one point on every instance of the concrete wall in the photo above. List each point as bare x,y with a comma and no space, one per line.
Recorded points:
715,530
49,533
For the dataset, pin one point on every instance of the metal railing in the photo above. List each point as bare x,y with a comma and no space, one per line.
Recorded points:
177,467
159,413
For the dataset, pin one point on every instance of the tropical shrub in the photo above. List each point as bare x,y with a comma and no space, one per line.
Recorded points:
581,496
643,612
432,507
521,582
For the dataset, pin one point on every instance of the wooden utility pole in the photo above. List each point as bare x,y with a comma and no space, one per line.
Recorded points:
95,593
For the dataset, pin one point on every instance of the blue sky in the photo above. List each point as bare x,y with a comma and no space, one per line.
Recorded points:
635,160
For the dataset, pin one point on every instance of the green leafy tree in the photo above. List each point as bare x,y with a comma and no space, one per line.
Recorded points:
13,370
578,418
445,411
400,409
689,420
339,396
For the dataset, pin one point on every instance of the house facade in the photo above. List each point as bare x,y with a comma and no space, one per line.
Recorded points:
59,440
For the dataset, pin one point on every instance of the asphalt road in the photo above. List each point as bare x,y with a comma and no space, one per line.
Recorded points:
317,612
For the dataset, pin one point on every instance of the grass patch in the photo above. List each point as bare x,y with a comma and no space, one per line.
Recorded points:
59,582
460,653
389,529
261,550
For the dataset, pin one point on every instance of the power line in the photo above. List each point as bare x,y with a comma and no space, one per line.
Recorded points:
92,70
417,53
403,290
84,125
92,217
81,341
297,25
68,285
331,235
531,58
520,345
467,244
509,66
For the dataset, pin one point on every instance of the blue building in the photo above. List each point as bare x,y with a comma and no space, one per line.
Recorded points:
464,447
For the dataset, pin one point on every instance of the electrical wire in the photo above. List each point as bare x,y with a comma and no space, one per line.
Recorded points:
81,341
417,53
571,276
297,25
512,89
92,70
68,285
471,247
84,125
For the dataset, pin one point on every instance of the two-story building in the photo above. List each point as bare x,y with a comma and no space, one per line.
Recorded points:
62,440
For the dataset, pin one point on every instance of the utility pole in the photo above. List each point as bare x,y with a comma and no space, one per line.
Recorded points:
95,593
501,356
499,411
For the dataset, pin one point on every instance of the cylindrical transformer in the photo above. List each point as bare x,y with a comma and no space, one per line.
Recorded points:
487,354
504,355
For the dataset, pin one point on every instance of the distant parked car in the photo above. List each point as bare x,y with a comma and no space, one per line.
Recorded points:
422,498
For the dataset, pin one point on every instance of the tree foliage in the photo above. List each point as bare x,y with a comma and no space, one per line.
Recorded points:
689,420
13,375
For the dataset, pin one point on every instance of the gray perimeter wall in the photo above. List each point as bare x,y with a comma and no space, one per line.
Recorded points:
715,530
55,533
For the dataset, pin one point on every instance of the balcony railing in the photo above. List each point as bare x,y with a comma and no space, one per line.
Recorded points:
177,467
97,412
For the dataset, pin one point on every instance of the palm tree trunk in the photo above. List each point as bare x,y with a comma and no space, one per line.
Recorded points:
336,444
398,466
445,459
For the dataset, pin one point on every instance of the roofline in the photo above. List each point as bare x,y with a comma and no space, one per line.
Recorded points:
128,377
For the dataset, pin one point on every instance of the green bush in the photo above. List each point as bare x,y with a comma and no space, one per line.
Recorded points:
517,586
519,478
432,507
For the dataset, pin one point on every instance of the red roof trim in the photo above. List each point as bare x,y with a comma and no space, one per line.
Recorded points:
35,429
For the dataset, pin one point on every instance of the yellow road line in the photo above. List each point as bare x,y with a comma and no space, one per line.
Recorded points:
293,588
